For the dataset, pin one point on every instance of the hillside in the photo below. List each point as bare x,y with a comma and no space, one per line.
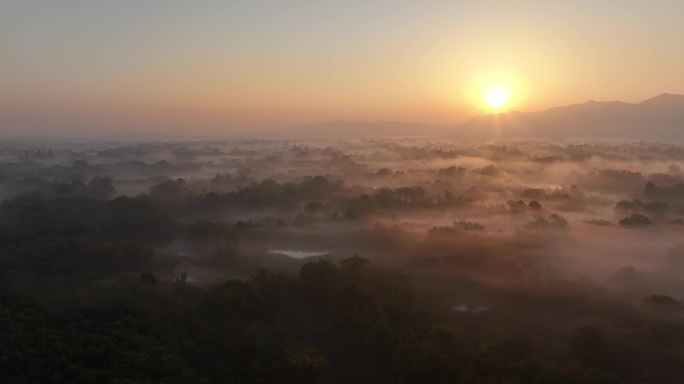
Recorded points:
658,117
661,116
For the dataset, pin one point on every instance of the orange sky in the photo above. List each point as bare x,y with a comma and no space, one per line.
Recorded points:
209,66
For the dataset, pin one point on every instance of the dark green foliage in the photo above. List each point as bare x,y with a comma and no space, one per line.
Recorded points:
458,227
336,322
149,278
554,221
75,235
636,206
663,303
625,206
636,220
135,218
675,191
95,311
318,277
516,206
533,193
219,334
588,344
668,334
83,346
471,226
600,222
657,207
353,264
443,231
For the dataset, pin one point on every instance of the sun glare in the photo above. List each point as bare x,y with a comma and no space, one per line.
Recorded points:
496,97
496,90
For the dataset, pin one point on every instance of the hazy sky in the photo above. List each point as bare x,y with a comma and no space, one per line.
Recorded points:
129,65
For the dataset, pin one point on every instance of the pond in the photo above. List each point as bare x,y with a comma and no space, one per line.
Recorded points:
298,254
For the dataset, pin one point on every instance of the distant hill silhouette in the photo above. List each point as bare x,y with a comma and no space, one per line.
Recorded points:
367,129
660,116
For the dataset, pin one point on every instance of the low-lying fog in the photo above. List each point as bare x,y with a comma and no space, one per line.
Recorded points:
523,215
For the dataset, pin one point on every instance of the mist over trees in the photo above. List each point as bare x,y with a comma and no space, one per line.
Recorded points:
342,261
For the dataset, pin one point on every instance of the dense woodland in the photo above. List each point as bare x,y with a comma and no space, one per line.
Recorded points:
439,262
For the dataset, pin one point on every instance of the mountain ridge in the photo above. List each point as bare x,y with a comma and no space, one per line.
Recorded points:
658,116
662,115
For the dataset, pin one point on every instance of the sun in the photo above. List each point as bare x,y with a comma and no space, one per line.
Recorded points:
496,96
495,90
